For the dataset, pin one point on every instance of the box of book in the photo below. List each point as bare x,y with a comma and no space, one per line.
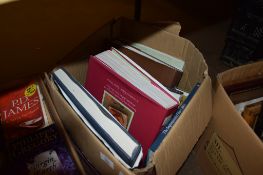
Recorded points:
122,89
232,143
31,142
83,102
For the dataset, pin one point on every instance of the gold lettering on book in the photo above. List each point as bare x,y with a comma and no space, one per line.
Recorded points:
121,94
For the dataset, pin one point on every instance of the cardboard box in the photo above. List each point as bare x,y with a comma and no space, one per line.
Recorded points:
228,145
185,133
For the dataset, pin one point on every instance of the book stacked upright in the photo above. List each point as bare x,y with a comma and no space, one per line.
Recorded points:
22,111
32,141
104,126
136,99
156,63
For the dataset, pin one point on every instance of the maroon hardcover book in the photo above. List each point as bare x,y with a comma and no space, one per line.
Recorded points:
139,113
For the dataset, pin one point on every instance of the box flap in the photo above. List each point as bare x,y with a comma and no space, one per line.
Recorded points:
229,145
241,73
169,26
61,128
245,144
195,118
246,147
166,41
36,34
177,139
92,147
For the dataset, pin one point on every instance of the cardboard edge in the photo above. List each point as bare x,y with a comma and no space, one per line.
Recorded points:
141,32
227,100
172,27
98,147
161,40
60,127
241,143
195,60
115,30
177,140
242,72
234,139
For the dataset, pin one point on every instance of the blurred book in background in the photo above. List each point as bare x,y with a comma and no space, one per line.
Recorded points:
32,142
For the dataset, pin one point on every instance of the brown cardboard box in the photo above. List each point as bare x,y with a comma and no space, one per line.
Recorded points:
179,142
229,145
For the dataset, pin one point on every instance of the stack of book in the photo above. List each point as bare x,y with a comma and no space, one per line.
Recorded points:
31,138
125,100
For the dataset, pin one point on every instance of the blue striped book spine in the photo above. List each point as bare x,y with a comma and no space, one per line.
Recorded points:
165,130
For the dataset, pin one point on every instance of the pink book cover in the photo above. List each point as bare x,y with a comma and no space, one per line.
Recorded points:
21,112
138,113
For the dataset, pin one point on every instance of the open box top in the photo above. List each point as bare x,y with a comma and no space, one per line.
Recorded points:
182,137
165,39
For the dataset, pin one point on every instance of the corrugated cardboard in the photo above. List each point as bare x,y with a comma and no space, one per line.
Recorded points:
242,150
169,43
168,26
181,139
61,127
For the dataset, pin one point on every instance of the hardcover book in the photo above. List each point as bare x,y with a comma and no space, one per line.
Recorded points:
100,121
138,101
167,127
22,111
156,63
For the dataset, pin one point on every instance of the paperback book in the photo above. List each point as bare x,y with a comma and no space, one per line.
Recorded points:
22,111
40,153
29,136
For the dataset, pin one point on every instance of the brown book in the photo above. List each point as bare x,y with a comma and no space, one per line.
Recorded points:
166,74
